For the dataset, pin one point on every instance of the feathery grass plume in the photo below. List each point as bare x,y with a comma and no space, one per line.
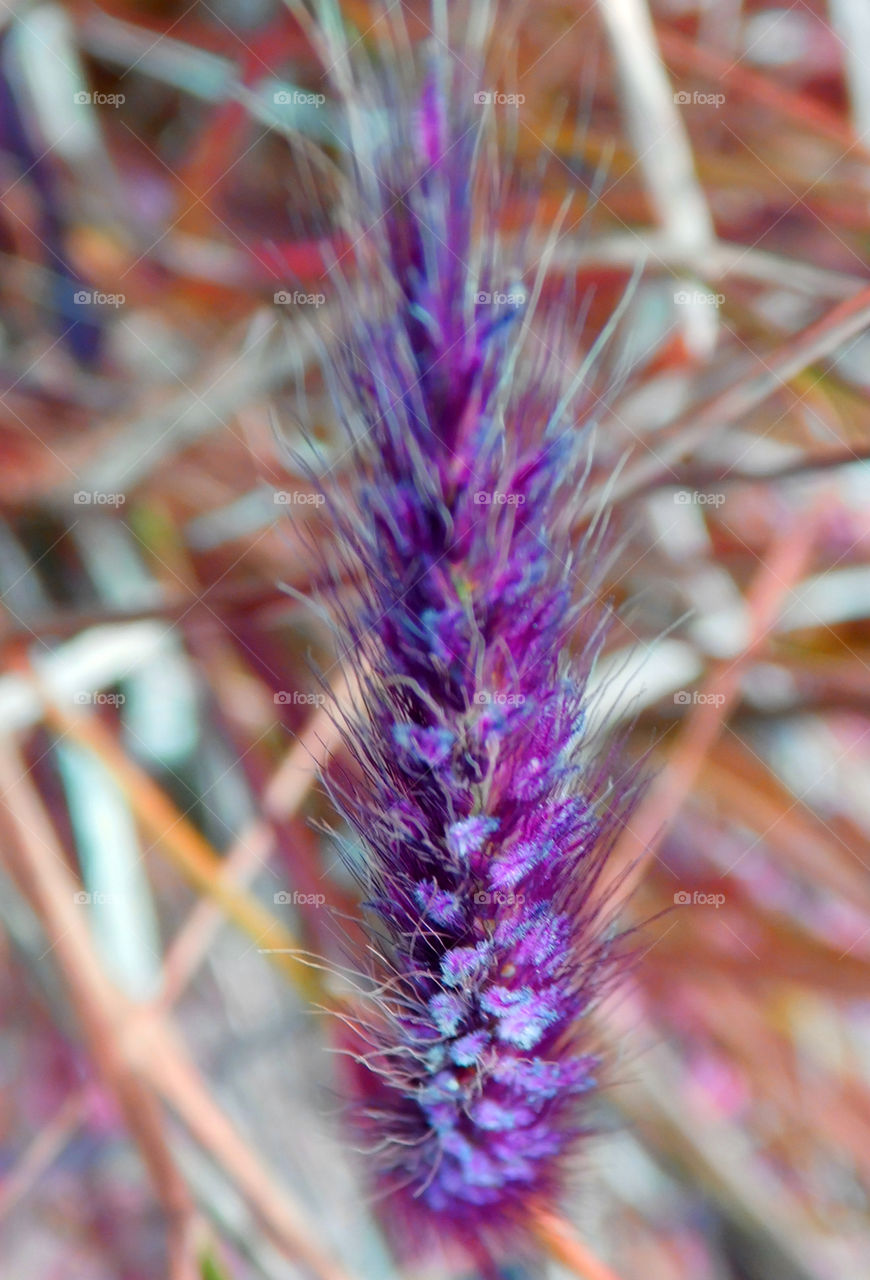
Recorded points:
483,808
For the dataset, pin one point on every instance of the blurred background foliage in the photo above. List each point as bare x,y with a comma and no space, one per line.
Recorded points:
170,201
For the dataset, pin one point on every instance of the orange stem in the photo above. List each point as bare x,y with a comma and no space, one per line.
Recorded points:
566,1247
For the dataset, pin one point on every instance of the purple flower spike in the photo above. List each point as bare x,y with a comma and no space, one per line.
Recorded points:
484,810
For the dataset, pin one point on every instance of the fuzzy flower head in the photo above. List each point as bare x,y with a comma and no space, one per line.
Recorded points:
482,807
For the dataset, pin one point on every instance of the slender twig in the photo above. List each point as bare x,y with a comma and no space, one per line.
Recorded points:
714,1153
770,588
137,1052
190,945
40,867
188,850
803,109
282,797
160,1056
42,1151
128,451
768,374
851,22
656,126
659,251
710,477
566,1247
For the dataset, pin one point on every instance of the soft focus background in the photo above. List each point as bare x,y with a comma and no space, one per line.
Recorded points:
170,199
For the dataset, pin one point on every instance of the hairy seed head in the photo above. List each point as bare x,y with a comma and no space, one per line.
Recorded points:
483,808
